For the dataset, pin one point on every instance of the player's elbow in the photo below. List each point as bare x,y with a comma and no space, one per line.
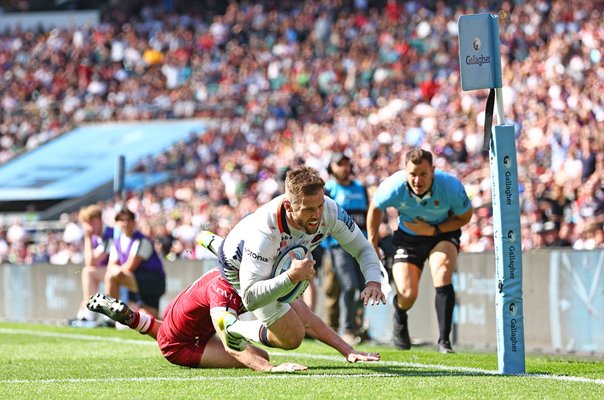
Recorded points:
467,216
248,302
251,301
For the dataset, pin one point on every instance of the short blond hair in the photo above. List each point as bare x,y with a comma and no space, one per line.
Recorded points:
302,181
90,212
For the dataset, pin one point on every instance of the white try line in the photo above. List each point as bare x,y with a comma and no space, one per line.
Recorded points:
440,367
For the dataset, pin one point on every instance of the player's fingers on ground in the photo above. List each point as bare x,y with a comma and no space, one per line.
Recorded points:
362,356
299,367
368,357
290,367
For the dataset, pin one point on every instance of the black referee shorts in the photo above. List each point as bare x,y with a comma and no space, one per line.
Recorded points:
415,249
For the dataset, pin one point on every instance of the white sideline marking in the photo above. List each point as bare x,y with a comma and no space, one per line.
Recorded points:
441,367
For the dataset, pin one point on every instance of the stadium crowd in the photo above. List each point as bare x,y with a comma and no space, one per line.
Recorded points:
285,83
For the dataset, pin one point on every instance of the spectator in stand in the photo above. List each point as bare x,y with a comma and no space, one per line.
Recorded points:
4,246
97,241
16,232
566,234
555,205
332,72
163,240
40,253
134,264
73,231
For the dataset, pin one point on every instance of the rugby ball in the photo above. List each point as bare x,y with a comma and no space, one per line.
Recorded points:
282,264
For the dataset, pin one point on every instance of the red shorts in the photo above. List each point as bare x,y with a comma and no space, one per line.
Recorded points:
187,325
187,354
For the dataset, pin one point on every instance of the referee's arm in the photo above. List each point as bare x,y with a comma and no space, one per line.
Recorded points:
374,218
455,222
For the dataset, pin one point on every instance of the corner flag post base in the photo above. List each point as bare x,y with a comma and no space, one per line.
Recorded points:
508,251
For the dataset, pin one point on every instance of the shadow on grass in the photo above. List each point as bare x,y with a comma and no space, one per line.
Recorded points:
387,371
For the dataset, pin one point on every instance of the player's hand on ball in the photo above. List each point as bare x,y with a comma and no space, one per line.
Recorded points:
301,270
289,367
362,356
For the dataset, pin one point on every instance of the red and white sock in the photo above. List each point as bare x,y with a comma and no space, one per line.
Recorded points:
142,322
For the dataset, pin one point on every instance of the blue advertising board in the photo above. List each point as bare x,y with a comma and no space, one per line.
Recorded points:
479,51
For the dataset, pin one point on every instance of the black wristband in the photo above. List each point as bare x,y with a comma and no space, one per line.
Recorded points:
437,231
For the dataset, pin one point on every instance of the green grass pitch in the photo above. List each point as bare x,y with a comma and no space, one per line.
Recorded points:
53,362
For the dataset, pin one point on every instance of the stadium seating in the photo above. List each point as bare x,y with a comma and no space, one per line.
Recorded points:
280,85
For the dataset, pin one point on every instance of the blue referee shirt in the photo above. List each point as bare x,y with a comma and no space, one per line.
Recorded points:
446,197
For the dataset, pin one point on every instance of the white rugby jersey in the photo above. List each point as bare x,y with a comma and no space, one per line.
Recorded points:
247,254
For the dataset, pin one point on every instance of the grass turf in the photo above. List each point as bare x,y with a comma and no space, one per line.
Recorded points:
41,361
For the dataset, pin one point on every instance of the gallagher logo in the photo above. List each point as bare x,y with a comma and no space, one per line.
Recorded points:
507,162
476,44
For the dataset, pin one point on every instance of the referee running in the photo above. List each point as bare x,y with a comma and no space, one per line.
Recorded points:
432,207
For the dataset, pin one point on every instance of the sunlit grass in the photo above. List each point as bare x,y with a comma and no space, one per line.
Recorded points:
41,361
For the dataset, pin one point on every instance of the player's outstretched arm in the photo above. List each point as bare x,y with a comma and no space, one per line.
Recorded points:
252,358
318,329
374,217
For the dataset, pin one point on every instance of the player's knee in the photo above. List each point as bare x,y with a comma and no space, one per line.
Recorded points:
407,294
442,276
112,272
291,339
292,342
